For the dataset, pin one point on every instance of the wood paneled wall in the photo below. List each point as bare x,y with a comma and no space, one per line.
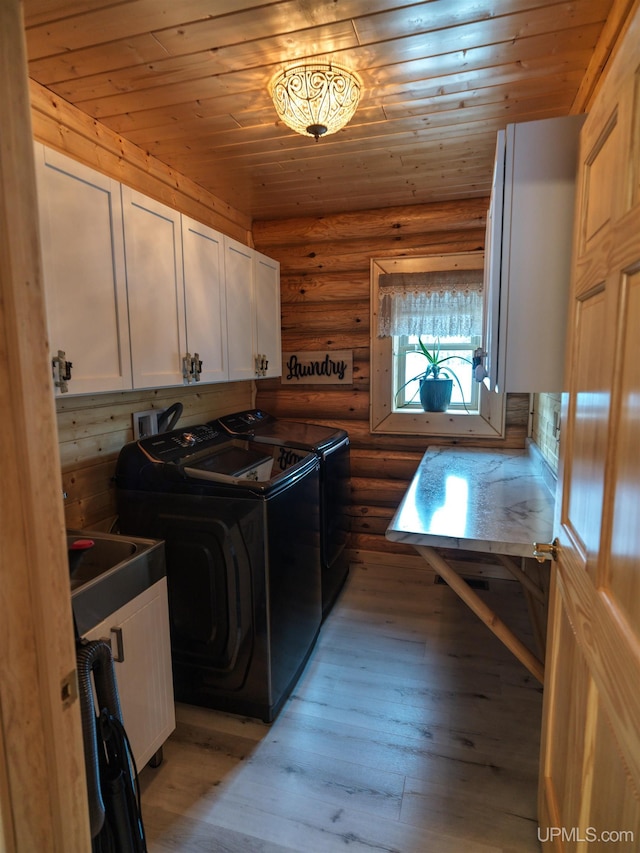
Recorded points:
325,264
545,427
92,430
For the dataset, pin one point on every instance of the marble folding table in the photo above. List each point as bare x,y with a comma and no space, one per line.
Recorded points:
491,501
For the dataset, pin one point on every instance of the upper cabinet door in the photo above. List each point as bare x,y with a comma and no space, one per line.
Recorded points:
267,314
492,264
530,253
84,274
240,325
153,250
205,300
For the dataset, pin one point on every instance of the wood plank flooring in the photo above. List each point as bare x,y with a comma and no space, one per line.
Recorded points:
411,730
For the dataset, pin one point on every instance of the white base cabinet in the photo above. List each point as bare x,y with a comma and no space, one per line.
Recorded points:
139,631
528,254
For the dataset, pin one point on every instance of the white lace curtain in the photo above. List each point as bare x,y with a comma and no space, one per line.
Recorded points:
445,303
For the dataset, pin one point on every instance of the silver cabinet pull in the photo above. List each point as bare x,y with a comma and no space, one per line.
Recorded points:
118,655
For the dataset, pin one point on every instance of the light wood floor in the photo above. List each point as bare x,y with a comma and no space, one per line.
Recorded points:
411,730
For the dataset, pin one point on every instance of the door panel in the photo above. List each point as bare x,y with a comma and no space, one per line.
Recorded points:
155,286
84,273
619,810
572,684
588,423
590,763
600,181
622,579
205,298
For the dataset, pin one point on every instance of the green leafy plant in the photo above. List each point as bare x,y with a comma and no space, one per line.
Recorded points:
434,368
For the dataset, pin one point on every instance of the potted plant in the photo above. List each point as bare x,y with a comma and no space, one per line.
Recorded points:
436,381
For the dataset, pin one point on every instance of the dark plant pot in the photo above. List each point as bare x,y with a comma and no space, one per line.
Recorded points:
435,394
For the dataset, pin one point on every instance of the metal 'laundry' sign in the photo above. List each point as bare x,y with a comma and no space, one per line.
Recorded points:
318,368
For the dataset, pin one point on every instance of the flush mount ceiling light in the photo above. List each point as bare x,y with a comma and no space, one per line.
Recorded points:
316,99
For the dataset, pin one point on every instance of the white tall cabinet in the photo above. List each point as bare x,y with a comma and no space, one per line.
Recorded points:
153,255
80,216
528,254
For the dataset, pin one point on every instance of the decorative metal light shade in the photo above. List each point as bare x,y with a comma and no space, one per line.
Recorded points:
316,99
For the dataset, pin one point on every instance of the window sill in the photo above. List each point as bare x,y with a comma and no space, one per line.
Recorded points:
487,423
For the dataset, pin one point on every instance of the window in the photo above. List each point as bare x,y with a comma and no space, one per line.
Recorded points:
408,362
441,302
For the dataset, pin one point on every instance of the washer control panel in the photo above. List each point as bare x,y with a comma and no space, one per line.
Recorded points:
244,423
171,446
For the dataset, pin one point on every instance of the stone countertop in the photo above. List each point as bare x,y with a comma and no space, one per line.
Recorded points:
495,501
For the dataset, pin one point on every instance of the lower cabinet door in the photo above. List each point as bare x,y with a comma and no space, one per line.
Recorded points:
139,633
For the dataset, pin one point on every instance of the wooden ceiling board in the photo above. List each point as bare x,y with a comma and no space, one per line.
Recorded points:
187,82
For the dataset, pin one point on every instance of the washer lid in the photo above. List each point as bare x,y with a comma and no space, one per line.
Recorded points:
266,429
234,462
301,435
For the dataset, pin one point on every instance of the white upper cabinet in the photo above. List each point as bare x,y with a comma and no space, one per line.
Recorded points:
528,254
205,301
238,260
153,252
140,296
266,288
84,273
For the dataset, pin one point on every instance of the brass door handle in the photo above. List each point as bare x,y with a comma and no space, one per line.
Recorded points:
546,550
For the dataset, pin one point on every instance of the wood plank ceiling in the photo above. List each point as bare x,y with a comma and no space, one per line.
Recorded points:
186,80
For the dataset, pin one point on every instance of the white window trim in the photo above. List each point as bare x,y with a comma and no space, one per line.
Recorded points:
489,422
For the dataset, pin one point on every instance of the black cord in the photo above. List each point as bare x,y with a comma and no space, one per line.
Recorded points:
118,758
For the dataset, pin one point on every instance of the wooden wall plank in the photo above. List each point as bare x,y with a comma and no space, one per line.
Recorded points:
68,129
93,429
372,224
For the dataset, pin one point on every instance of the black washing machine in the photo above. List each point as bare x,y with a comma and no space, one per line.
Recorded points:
240,524
332,448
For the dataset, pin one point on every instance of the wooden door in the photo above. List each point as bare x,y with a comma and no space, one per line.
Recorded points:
43,791
590,763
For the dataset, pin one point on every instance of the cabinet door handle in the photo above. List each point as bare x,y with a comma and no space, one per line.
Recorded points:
119,652
61,369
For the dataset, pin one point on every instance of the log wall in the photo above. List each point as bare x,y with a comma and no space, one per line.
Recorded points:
325,264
